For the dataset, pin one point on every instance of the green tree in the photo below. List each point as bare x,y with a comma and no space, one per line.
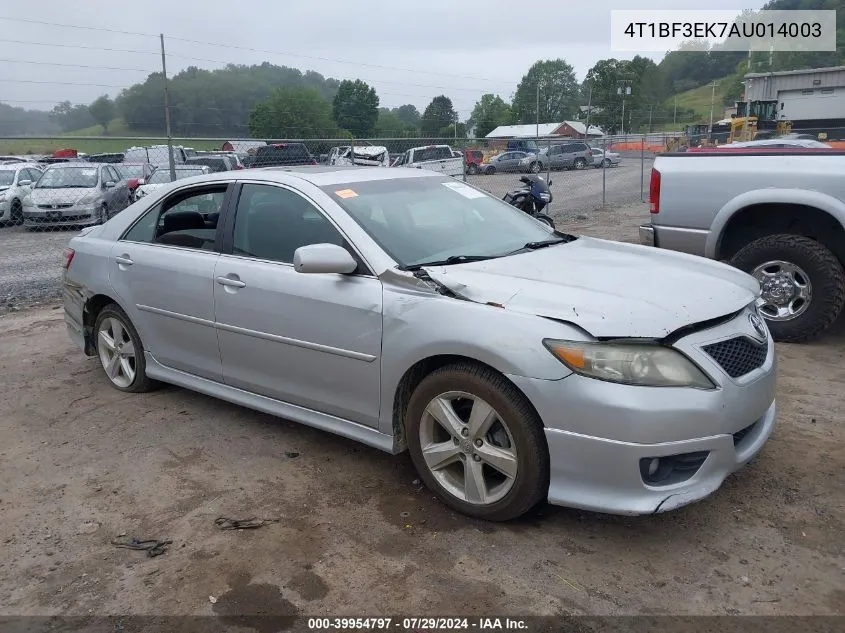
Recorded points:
437,115
390,125
489,112
293,113
355,107
559,93
71,117
409,114
102,111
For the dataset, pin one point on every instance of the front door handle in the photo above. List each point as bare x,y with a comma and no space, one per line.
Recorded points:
124,260
229,281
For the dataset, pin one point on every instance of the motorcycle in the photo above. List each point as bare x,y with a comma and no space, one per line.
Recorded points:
532,198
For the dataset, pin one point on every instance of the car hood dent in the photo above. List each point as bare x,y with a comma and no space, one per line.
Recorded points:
610,289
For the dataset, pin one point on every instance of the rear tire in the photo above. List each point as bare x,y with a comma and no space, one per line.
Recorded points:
795,264
580,163
472,169
120,351
490,170
606,163
489,421
534,167
104,215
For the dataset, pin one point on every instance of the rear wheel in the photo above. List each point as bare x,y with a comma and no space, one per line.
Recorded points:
534,168
472,169
490,170
103,215
802,283
120,351
477,443
606,163
580,163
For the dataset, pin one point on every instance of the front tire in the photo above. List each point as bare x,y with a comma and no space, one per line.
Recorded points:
104,215
490,170
803,284
472,169
534,168
120,351
16,213
477,443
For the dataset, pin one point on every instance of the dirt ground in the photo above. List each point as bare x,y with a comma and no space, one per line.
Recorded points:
81,464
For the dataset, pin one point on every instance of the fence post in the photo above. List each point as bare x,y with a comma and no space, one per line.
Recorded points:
463,159
603,172
642,170
352,150
548,160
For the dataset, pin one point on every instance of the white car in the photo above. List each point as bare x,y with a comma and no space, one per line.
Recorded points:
161,178
603,158
365,156
780,143
16,181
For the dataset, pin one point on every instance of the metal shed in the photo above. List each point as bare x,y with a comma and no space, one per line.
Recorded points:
801,95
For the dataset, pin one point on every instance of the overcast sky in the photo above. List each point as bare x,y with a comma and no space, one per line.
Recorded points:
409,51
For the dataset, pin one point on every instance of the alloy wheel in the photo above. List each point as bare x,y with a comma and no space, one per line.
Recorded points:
117,352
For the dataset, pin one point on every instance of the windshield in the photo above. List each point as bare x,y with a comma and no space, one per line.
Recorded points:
131,171
162,176
7,177
418,220
68,177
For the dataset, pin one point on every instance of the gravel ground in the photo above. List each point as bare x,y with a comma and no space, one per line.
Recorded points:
82,463
30,262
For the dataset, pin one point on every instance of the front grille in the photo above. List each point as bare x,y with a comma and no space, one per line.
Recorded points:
56,206
738,356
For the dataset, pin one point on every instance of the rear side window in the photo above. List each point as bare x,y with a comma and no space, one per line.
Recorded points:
431,153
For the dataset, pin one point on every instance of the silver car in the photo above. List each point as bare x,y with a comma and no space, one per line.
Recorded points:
407,310
510,162
16,180
603,158
75,194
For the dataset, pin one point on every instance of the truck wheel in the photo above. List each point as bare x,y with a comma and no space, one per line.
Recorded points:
803,284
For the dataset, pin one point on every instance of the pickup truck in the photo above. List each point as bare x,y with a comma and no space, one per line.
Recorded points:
439,158
779,216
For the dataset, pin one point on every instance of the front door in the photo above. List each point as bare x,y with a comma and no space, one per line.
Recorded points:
163,274
313,340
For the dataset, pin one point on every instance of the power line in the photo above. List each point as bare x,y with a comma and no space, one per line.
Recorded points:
89,48
57,83
254,50
26,61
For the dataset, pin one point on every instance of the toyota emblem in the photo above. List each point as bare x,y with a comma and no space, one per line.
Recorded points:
758,325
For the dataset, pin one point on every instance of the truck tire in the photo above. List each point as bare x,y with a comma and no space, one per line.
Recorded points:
803,284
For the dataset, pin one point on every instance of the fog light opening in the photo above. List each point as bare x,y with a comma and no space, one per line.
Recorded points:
653,465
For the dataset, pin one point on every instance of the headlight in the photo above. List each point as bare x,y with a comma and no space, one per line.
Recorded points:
645,365
2,197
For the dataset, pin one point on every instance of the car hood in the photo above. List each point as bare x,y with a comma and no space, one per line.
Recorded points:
62,196
610,289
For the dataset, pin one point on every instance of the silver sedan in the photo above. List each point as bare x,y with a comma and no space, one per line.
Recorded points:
407,310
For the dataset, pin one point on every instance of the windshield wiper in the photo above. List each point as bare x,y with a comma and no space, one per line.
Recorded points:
533,246
453,259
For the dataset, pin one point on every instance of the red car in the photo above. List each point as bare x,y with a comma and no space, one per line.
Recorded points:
473,159
135,174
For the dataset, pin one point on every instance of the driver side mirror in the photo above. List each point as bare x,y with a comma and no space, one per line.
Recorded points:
323,258
24,183
109,185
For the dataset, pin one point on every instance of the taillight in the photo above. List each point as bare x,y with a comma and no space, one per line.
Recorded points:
313,162
239,167
69,253
654,191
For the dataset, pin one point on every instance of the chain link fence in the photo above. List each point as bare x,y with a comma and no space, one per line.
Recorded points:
50,188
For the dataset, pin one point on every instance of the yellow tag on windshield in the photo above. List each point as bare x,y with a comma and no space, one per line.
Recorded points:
346,193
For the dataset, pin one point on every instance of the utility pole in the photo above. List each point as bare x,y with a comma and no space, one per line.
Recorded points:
537,132
650,110
624,90
712,103
589,111
171,158
675,115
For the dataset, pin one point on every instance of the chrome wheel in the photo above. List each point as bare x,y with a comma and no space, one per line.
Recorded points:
535,168
786,290
468,448
117,352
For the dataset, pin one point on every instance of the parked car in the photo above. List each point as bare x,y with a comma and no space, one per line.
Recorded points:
511,162
161,178
135,174
603,158
214,163
405,309
281,154
437,158
364,156
528,145
574,155
75,194
155,155
778,215
473,159
16,180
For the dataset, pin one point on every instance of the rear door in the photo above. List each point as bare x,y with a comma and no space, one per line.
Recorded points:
162,272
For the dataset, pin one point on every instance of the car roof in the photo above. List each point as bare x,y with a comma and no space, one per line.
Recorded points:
319,175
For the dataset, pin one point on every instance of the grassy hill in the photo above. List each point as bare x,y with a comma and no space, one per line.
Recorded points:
699,99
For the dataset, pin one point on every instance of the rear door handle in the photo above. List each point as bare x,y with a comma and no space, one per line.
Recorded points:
124,260
228,281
